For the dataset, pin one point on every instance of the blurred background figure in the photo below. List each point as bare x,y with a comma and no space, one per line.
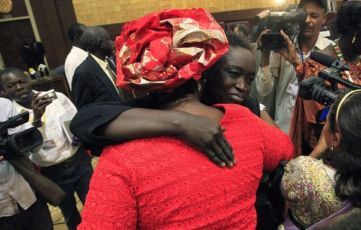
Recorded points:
76,55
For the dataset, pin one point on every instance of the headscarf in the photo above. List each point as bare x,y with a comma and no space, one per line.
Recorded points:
309,188
161,51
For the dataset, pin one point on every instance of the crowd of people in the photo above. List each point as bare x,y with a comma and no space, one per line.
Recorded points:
177,109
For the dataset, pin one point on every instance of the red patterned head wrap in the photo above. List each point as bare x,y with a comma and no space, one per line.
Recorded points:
160,51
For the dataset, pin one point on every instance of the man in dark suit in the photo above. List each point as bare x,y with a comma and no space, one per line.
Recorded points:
94,80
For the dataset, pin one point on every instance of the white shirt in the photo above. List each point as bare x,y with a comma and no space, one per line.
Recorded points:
14,189
57,145
75,57
282,75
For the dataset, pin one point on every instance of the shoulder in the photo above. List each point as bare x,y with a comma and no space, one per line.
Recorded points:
84,66
5,103
325,44
140,152
327,41
236,112
7,109
75,57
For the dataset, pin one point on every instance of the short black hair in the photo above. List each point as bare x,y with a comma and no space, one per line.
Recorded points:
234,40
75,31
348,20
92,38
6,71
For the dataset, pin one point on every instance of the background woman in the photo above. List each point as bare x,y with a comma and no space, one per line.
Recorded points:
224,83
317,190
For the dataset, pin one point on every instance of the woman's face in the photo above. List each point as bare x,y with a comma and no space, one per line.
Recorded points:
236,73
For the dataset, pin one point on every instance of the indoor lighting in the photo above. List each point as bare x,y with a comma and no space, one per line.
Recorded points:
279,2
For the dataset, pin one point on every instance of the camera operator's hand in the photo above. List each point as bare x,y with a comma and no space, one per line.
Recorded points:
39,104
290,53
259,41
265,51
1,158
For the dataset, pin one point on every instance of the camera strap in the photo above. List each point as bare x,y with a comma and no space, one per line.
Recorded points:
338,50
340,57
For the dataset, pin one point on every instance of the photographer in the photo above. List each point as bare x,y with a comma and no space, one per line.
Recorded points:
278,68
19,206
348,48
60,159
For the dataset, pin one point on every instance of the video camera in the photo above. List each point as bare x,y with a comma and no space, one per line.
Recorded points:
314,88
21,142
288,21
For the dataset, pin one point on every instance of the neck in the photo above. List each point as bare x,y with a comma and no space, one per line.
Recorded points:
191,104
307,44
99,55
182,103
26,102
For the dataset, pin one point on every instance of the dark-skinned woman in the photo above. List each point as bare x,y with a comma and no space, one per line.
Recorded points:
161,182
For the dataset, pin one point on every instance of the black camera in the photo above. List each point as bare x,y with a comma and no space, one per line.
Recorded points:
315,88
21,142
288,21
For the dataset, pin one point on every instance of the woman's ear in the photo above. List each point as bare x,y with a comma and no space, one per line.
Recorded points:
336,141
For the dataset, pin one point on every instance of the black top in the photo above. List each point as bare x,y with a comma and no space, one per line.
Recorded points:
90,118
91,84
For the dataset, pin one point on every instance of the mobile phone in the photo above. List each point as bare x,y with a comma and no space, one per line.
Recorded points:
50,94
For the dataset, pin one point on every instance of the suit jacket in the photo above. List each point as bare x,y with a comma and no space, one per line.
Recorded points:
91,84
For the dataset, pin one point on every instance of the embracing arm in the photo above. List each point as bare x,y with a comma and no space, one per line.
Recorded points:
199,132
110,123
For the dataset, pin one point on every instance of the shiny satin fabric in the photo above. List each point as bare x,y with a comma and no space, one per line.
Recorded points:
160,51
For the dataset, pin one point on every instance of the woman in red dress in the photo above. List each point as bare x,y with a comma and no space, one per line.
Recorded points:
161,182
